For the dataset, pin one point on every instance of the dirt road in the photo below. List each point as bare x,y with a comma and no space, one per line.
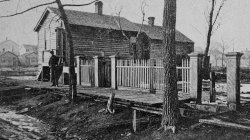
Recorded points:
15,126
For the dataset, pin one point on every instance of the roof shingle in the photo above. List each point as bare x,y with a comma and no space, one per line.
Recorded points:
112,22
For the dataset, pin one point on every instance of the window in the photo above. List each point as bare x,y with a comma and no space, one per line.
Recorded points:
43,57
3,49
3,59
27,50
33,60
45,40
10,60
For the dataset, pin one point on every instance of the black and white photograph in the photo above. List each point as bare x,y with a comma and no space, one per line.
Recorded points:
124,70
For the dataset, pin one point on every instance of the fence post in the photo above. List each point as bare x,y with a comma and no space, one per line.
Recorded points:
78,70
96,61
113,72
233,80
195,75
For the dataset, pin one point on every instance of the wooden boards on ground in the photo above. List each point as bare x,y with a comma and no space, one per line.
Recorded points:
219,122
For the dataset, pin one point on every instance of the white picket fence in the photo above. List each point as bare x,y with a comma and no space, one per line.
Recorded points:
149,74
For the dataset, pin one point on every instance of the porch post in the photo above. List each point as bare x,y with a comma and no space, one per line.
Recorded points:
78,70
113,72
233,80
96,61
195,75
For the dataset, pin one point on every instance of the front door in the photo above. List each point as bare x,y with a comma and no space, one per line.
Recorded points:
104,72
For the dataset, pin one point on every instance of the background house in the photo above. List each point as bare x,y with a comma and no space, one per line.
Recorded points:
245,59
9,45
29,59
99,34
8,59
27,48
29,56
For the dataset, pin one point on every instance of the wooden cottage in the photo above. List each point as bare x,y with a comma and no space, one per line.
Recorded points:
96,34
9,45
8,59
29,59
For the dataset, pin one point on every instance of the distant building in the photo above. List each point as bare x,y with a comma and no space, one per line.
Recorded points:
29,59
9,46
29,55
245,59
8,59
27,48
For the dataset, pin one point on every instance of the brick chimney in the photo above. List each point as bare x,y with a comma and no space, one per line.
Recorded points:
98,7
151,21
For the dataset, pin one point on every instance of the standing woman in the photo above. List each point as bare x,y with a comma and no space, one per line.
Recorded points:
52,65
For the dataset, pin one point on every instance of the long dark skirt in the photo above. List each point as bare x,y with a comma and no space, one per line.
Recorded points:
58,72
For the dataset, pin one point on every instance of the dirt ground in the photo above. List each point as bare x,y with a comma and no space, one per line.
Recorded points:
85,119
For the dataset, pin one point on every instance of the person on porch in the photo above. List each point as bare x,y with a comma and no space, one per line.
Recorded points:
52,65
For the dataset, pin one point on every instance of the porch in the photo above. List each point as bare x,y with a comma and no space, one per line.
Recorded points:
124,97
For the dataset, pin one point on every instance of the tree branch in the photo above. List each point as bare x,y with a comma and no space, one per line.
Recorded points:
218,12
119,24
52,19
28,9
143,5
64,5
4,0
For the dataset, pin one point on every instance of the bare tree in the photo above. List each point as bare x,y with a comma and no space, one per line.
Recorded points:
170,96
138,50
72,75
216,54
223,48
213,24
143,5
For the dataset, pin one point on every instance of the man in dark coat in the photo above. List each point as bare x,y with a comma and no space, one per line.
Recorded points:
52,64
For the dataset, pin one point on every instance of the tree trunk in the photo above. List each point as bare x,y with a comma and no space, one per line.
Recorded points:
72,75
170,97
209,34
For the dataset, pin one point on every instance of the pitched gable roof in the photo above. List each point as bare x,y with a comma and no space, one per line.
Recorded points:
155,32
29,53
8,52
111,22
96,20
6,41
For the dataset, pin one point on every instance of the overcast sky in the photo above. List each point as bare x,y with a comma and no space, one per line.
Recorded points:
234,22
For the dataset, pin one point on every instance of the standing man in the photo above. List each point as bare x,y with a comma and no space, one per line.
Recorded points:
52,65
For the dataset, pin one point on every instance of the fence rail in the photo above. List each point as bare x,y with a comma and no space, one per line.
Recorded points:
149,74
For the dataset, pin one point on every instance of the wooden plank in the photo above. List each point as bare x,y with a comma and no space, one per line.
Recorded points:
224,124
204,107
134,120
147,110
192,127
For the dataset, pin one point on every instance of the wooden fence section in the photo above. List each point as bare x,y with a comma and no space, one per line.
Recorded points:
87,71
185,75
149,74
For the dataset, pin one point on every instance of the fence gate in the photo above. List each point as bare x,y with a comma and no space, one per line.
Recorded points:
87,72
104,72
